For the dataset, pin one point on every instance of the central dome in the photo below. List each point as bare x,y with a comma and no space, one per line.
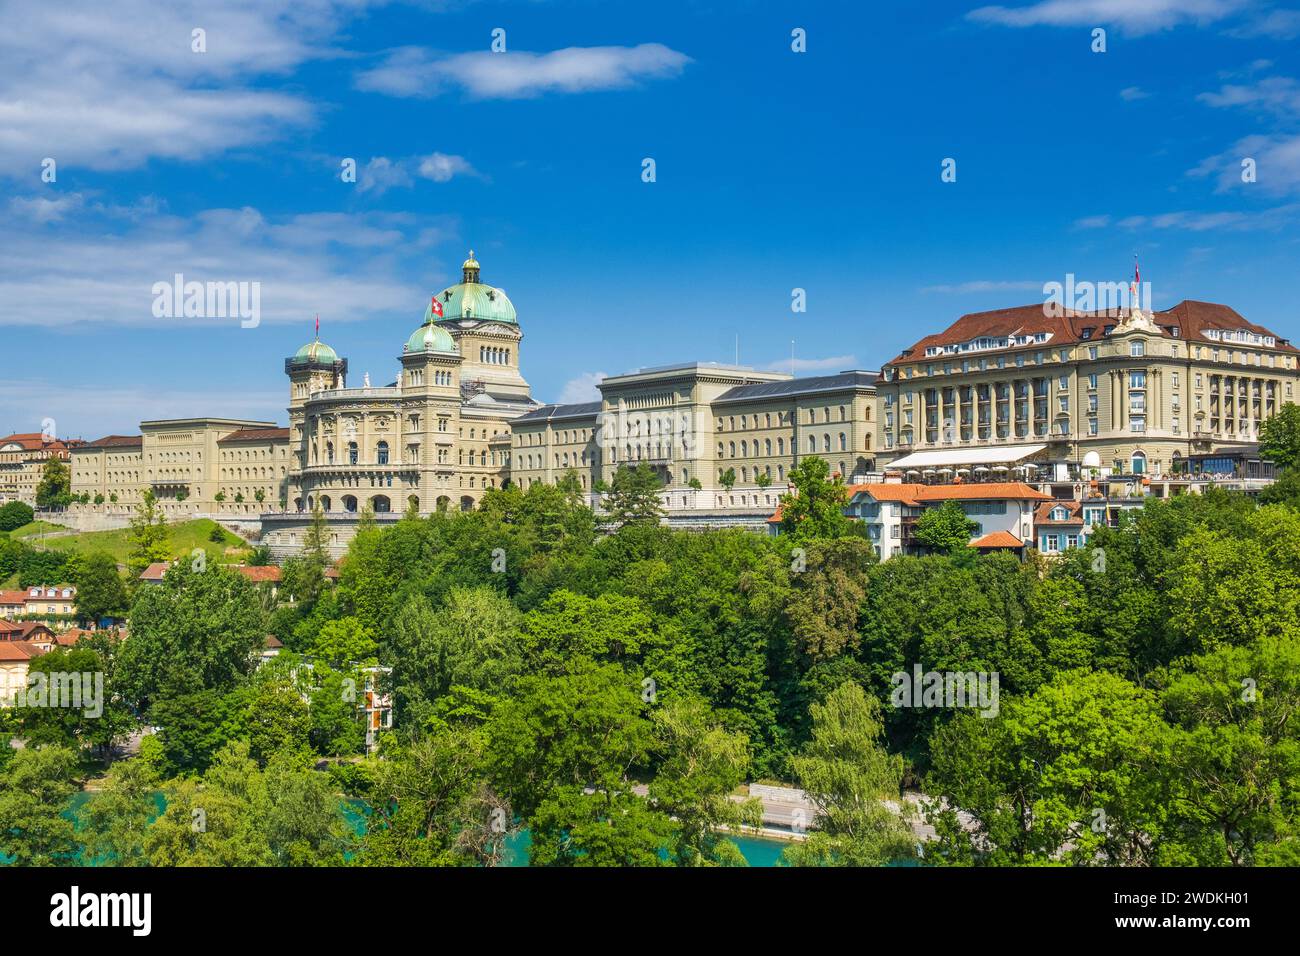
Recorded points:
471,299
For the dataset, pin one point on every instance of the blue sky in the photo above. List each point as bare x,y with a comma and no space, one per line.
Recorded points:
775,170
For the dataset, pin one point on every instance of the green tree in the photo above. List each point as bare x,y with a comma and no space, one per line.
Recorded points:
147,535
432,805
700,764
1069,773
634,496
115,818
945,528
472,641
1279,437
1232,760
816,507
15,514
54,490
345,641
197,630
847,776
727,478
101,592
826,598
35,786
240,815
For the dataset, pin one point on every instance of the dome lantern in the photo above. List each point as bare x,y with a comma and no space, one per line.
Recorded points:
469,268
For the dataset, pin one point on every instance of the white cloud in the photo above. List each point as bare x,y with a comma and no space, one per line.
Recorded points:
440,167
1136,17
100,407
418,72
381,174
1228,221
111,86
1274,94
833,363
985,285
1131,93
1092,222
99,270
1275,24
581,389
1277,165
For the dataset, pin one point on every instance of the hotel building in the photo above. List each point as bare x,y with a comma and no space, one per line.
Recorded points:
1060,396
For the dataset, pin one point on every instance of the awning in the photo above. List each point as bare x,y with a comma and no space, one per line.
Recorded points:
993,455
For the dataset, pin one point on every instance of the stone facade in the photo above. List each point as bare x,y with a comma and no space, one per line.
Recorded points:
698,421
183,461
1136,393
22,461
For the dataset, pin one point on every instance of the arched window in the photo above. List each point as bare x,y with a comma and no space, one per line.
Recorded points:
350,503
380,504
325,503
413,502
844,442
812,443
352,453
381,453
1139,461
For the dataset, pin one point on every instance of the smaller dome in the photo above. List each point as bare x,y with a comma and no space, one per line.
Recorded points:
471,262
316,351
430,338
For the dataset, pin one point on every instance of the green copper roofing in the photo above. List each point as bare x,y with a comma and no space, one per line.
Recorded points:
430,338
471,299
316,351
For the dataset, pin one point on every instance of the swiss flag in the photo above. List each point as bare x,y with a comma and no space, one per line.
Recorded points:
435,307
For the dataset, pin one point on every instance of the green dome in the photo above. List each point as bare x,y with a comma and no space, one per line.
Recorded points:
430,338
316,351
471,299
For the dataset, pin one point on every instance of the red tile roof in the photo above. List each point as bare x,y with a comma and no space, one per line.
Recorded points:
18,651
1074,512
155,571
1190,317
13,597
998,539
30,630
10,631
256,434
258,574
913,494
114,441
272,642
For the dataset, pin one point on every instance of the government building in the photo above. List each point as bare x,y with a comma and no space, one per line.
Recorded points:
1057,399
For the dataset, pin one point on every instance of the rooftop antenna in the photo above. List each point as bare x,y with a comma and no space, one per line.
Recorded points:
737,348
792,358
